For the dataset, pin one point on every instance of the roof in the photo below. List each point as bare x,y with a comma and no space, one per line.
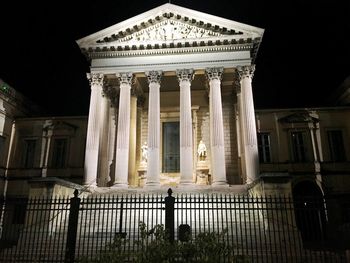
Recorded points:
171,27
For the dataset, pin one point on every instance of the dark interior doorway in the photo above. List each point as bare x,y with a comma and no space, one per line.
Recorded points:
171,147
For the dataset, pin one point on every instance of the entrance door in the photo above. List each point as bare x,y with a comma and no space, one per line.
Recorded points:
171,147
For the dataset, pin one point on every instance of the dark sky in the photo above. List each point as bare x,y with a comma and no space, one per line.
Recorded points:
304,56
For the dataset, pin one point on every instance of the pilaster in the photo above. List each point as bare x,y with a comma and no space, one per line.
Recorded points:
132,151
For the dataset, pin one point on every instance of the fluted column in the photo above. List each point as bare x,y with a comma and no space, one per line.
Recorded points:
185,77
104,132
93,130
153,128
123,131
249,137
216,127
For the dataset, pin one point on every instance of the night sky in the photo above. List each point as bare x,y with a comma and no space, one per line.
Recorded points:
303,58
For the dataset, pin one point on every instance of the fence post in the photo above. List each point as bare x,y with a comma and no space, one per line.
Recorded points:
72,228
169,215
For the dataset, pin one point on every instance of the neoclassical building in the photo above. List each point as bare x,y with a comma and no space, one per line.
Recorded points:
165,85
172,104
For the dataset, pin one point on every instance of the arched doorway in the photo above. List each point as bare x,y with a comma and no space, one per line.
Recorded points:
310,212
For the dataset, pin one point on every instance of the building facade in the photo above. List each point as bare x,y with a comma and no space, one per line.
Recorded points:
169,79
172,104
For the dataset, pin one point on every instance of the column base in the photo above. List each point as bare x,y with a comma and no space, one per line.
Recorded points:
152,184
120,185
186,182
220,183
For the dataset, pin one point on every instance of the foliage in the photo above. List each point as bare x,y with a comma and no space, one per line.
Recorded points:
155,246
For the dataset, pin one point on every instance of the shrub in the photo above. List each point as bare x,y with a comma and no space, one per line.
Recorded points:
155,246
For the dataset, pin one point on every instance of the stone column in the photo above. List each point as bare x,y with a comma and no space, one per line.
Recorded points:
153,168
123,131
104,130
92,137
185,77
217,146
248,135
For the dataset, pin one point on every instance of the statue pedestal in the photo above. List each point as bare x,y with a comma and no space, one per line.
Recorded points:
202,173
142,174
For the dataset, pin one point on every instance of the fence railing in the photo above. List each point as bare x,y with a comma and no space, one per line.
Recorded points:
258,229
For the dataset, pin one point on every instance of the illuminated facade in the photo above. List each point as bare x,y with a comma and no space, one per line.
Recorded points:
172,104
168,79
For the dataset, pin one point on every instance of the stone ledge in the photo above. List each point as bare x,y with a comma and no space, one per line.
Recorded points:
51,181
177,190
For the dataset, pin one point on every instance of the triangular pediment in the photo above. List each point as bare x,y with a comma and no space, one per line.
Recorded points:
166,30
169,26
299,117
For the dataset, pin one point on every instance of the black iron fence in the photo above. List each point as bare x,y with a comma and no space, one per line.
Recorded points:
256,229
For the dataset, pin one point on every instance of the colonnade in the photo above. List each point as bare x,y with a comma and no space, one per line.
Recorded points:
97,133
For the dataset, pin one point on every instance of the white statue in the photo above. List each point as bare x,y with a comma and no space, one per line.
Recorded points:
202,150
144,150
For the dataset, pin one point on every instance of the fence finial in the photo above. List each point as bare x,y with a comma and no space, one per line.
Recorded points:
170,192
76,192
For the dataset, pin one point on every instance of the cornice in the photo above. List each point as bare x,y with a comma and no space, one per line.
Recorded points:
111,52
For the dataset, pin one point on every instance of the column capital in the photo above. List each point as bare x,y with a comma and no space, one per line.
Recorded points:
214,73
185,75
154,76
245,72
95,78
125,78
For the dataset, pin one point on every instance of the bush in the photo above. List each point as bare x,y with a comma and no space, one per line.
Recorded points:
154,246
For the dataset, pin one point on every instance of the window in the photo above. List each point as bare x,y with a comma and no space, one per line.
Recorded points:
59,153
299,148
336,146
264,147
29,153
